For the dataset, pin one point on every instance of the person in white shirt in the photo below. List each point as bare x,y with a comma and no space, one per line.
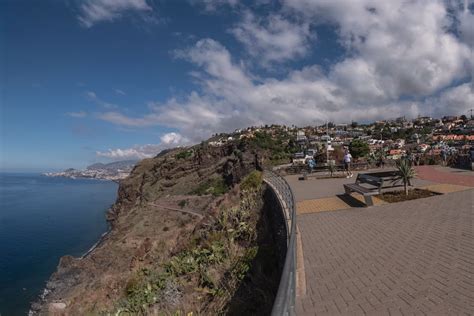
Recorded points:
347,163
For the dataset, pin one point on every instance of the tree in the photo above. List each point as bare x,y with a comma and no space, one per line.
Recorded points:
354,124
359,148
405,173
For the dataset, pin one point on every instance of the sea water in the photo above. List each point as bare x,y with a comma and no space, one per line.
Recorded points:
42,219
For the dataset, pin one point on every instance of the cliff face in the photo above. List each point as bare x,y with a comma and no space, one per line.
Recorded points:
161,212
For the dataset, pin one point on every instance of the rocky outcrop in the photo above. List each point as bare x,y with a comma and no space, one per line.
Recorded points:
142,234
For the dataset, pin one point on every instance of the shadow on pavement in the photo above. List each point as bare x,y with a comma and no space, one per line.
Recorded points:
350,200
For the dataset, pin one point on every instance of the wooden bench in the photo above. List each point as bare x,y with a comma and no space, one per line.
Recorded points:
375,183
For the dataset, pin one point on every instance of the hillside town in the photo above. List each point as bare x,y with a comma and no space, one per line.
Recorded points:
423,140
114,171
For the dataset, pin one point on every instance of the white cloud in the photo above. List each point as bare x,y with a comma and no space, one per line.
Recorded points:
466,23
168,140
454,101
95,11
404,44
80,114
137,152
396,51
230,99
273,39
173,139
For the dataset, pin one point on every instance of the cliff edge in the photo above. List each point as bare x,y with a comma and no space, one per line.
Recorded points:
188,233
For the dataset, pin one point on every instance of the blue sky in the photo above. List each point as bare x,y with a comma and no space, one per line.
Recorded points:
100,80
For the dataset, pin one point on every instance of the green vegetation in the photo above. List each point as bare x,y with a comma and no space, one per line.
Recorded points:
253,181
182,203
184,154
359,148
215,186
216,259
406,173
281,145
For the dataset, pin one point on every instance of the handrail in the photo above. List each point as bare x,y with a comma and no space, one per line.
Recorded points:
285,299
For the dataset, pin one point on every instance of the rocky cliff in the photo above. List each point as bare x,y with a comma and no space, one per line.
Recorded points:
184,233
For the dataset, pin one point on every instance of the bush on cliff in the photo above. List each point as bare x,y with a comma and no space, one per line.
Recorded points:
253,181
215,186
210,267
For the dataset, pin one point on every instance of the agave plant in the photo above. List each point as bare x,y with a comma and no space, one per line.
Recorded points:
405,173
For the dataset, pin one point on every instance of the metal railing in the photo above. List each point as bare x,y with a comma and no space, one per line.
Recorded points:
285,299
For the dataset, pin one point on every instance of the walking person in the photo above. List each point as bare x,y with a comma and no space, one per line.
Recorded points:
347,163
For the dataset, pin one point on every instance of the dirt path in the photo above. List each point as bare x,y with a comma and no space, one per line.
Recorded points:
186,211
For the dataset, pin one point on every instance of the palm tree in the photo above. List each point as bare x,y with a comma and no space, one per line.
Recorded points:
405,173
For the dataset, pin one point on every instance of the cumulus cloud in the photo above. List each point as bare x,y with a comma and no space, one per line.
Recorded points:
405,44
80,114
272,39
137,152
95,11
173,139
401,60
456,100
466,22
168,140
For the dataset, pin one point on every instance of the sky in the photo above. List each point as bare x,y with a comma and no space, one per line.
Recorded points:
83,81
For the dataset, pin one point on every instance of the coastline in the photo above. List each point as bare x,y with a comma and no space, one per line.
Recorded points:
99,242
102,238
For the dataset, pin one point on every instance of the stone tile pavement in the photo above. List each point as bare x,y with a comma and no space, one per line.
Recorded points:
333,203
446,175
414,257
445,188
322,188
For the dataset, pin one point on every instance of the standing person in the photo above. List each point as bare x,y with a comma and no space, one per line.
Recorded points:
347,163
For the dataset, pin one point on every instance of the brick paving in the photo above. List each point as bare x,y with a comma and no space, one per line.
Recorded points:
332,203
414,257
446,175
445,188
321,188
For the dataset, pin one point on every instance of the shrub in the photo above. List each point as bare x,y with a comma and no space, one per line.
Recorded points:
184,154
215,186
359,148
182,203
253,181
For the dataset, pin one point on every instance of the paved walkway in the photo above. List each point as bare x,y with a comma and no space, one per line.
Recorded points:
411,258
414,257
446,175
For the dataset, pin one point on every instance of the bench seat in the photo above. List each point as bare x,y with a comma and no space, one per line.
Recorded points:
375,182
360,189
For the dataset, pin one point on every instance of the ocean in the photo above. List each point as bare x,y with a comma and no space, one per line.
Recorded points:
42,219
